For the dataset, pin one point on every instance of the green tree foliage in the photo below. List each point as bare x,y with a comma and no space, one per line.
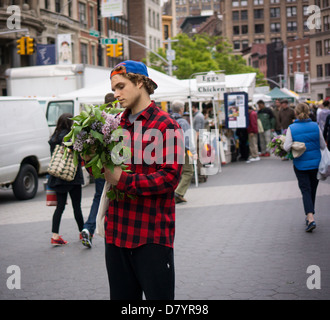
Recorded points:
202,53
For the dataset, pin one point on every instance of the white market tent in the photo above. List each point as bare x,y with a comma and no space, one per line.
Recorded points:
168,89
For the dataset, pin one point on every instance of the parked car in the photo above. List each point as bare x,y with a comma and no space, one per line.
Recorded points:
24,148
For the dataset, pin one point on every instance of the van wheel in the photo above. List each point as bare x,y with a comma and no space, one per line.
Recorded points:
26,184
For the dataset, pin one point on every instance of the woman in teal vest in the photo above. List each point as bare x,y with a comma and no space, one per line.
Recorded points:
306,166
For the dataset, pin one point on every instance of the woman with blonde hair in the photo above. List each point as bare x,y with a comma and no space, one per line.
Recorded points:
306,166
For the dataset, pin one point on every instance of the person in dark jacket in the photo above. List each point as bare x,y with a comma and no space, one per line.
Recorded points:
62,187
266,116
306,166
252,131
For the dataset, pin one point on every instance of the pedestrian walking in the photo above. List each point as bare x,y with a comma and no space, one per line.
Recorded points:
252,131
90,225
286,115
276,112
140,232
62,187
243,146
306,166
266,116
190,152
323,114
326,131
198,124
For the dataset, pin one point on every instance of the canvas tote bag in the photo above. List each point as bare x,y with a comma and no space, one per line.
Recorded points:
62,167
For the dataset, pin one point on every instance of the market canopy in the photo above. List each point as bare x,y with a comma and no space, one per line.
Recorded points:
277,93
168,88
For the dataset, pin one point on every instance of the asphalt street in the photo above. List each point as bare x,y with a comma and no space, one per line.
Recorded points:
240,236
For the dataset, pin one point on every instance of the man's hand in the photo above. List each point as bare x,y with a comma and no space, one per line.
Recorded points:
112,177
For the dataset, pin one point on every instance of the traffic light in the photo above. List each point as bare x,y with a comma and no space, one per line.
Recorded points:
110,52
119,49
29,46
21,46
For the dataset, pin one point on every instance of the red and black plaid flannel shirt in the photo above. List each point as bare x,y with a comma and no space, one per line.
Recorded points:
150,217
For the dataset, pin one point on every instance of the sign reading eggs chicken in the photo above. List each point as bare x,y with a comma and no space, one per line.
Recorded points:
236,110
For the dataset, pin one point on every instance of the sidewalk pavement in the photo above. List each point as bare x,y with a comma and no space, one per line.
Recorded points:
240,236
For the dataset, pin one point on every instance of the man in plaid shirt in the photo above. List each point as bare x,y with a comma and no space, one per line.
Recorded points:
140,232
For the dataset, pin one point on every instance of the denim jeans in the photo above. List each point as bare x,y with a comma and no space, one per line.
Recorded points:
308,182
90,224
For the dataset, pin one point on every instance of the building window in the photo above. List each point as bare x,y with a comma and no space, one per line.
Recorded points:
318,48
235,30
298,67
258,2
245,44
84,54
235,15
292,26
326,23
235,3
327,47
245,29
82,14
306,66
327,69
306,49
258,13
291,12
319,71
290,53
244,15
58,6
91,17
275,12
275,27
258,28
237,45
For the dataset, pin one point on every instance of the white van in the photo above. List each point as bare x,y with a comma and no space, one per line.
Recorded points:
24,148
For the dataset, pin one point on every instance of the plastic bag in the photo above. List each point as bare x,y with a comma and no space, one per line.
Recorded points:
324,166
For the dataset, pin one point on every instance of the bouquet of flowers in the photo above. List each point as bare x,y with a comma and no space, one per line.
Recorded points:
276,147
96,134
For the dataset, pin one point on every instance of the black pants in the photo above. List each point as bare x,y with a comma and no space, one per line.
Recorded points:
75,195
148,268
308,182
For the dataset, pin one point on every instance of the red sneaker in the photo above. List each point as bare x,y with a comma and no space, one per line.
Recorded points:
58,242
267,154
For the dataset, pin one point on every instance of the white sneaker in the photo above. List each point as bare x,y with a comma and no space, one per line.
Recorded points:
255,159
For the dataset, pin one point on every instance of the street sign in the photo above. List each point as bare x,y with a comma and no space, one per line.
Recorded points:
170,55
94,33
109,41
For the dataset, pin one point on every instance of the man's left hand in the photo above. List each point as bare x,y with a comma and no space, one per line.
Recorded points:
113,177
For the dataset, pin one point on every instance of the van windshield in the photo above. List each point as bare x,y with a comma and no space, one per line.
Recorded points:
56,109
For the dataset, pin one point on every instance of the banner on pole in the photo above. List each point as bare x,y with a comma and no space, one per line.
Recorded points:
112,8
64,49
